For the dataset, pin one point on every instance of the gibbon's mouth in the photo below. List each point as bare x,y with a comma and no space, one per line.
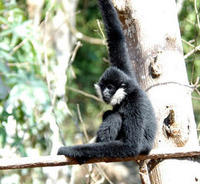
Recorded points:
106,99
106,95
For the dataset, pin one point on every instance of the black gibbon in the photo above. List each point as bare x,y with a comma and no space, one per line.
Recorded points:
129,128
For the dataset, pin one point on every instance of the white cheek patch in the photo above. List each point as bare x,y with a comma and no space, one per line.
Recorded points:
118,96
98,90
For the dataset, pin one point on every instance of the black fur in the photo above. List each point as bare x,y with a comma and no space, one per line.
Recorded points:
129,129
117,47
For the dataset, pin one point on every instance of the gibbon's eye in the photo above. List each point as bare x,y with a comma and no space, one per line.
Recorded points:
123,85
110,86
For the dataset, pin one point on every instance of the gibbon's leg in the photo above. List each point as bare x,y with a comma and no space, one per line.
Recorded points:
110,127
112,149
147,144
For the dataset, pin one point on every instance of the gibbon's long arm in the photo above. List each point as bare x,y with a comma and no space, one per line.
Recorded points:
112,149
118,52
110,127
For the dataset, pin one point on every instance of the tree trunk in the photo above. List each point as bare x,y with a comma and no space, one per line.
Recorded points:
153,38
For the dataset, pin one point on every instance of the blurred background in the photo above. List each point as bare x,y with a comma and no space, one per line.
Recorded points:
51,54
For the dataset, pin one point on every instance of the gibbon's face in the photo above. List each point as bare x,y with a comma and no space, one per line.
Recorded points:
112,86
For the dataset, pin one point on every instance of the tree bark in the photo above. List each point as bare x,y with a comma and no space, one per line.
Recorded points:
153,38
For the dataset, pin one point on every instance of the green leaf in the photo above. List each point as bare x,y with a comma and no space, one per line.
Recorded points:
3,136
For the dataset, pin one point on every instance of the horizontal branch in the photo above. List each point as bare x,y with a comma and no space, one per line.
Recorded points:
59,160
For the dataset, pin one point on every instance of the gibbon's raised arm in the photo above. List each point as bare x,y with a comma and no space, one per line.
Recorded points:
118,52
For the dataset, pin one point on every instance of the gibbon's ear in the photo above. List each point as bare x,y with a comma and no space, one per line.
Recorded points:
119,95
98,90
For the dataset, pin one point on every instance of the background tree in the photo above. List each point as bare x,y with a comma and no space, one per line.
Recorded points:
157,55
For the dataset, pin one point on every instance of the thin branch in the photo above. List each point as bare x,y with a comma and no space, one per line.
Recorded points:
196,98
103,174
60,160
195,49
192,87
101,30
82,123
21,65
78,45
188,43
18,46
85,94
83,37
144,174
192,52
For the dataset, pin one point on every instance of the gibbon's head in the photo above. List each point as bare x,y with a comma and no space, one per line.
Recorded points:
112,87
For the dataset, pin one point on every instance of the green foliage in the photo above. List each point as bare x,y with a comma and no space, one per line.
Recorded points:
25,103
190,32
21,72
191,35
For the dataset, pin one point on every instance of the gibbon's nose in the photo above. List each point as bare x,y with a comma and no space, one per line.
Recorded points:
106,92
106,95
